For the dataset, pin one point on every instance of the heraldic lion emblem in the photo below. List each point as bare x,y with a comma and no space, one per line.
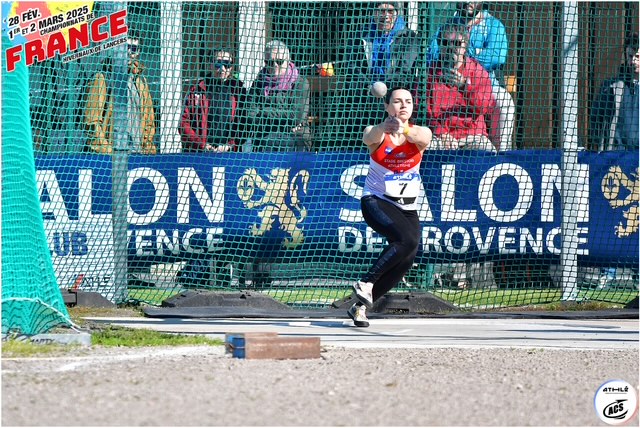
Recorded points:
612,183
280,200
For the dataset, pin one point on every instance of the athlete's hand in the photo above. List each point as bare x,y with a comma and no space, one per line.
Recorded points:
392,125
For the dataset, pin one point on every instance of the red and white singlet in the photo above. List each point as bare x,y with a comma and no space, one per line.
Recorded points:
394,173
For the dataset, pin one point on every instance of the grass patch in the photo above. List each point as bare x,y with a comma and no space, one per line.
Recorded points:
78,313
102,335
542,299
112,336
107,336
574,306
153,296
24,349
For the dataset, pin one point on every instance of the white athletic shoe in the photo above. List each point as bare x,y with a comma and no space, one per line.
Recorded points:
359,315
364,293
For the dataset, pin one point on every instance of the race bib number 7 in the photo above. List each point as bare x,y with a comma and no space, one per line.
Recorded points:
402,185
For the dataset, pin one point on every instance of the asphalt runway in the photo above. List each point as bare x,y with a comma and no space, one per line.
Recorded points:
401,371
481,333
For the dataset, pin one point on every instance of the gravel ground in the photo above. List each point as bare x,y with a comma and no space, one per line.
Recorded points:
200,386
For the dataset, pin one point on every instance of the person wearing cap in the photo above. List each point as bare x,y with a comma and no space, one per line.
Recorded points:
140,113
210,118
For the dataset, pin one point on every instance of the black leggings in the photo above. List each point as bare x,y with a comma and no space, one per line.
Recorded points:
402,230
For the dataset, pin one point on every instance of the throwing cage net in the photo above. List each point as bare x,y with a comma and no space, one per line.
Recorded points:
31,300
218,146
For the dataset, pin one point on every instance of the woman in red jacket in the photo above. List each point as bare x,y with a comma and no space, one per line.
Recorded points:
458,95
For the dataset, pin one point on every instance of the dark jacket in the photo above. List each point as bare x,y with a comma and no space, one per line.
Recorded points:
359,67
614,115
393,63
278,122
210,114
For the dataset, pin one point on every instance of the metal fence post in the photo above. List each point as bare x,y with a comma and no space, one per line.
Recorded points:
569,255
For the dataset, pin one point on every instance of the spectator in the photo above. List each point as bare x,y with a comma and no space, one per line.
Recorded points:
99,110
209,120
614,116
142,126
385,50
458,95
276,120
458,98
140,113
488,44
277,107
209,123
390,48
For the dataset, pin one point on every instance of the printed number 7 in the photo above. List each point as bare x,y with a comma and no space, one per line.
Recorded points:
404,186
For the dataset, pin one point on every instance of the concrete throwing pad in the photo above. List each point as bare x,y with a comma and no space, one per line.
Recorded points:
433,332
332,312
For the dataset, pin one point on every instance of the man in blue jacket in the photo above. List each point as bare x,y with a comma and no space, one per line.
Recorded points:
488,44
390,47
385,50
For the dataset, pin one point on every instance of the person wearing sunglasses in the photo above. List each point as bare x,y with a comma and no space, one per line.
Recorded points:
489,45
141,115
210,118
458,98
458,95
278,104
141,127
276,120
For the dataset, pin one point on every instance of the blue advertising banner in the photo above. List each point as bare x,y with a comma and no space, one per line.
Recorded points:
307,206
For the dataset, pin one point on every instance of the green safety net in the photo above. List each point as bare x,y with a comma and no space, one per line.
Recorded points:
31,300
254,183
